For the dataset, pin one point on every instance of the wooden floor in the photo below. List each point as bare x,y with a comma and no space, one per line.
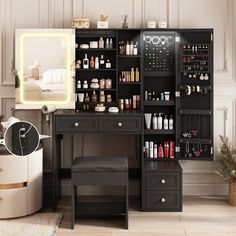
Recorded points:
201,216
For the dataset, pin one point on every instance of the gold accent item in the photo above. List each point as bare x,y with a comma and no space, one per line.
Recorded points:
14,185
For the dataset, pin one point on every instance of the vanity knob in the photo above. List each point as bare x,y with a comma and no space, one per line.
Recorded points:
163,200
163,181
76,124
119,124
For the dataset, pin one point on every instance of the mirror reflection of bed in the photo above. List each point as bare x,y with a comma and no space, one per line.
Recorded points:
51,86
44,61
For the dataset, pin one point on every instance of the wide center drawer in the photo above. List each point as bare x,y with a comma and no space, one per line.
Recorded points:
120,124
163,200
163,180
74,124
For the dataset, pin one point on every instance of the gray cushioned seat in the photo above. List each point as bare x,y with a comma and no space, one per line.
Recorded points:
100,164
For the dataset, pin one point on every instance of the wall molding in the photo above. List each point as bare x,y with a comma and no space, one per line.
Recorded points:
5,103
7,37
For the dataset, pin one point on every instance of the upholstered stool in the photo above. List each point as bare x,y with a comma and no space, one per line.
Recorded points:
103,171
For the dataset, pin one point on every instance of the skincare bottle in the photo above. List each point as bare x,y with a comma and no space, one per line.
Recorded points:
166,150
132,75
102,62
86,98
85,62
127,48
138,101
107,43
78,84
96,63
154,121
94,96
85,84
171,123
136,49
159,121
165,122
151,150
102,96
101,43
147,149
131,48
137,75
91,62
160,152
108,64
172,150
155,154
146,95
111,43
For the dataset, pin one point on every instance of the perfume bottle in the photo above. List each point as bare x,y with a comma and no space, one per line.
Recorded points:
94,96
101,43
107,43
96,63
102,62
127,48
131,48
85,62
132,75
78,84
137,75
136,49
108,64
92,64
111,43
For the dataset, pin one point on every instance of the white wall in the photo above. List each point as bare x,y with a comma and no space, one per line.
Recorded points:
199,177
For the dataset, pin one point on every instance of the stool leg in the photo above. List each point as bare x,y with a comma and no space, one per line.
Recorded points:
72,207
127,206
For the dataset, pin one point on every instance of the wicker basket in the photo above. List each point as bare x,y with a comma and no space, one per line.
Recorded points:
232,193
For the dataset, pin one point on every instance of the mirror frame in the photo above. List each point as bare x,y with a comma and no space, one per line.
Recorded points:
69,36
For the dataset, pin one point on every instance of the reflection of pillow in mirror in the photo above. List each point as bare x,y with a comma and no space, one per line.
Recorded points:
54,76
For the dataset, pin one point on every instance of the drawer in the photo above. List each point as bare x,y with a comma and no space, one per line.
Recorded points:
163,200
8,173
120,124
163,180
13,202
73,124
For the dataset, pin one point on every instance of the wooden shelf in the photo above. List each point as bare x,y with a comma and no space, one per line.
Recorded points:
91,90
159,131
129,83
159,103
129,56
95,49
88,70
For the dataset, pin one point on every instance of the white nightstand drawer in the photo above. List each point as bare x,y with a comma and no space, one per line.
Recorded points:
13,169
13,202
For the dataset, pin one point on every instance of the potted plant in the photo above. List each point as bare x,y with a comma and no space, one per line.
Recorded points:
227,158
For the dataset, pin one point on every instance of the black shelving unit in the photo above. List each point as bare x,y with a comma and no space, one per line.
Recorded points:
179,61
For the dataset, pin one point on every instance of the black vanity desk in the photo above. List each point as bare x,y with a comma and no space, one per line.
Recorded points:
127,122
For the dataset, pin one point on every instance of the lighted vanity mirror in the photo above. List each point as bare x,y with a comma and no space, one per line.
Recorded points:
44,62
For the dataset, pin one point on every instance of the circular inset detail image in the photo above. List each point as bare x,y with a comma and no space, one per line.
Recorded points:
21,138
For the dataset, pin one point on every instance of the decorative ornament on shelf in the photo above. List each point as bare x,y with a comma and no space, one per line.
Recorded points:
125,23
227,158
80,23
103,23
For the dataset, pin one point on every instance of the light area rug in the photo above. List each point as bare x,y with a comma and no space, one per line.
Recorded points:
40,224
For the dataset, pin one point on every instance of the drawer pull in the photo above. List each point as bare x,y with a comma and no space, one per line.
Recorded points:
163,200
163,181
76,124
120,124
1,169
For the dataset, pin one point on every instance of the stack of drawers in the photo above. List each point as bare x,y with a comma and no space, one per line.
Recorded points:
163,186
